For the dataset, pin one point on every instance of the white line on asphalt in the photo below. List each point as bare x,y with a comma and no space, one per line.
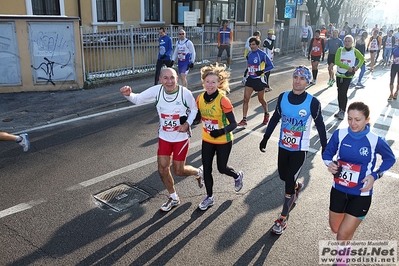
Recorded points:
89,116
122,170
20,207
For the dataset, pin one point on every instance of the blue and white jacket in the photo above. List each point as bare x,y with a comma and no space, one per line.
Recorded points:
357,153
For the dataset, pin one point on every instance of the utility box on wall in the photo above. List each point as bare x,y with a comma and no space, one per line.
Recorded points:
40,53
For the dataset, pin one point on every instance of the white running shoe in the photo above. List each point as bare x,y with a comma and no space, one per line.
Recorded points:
24,142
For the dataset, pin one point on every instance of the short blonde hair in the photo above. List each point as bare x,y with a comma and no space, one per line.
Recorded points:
220,72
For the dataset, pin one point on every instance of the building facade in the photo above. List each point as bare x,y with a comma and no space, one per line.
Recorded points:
68,19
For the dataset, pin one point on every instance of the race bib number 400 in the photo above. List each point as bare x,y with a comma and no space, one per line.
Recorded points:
349,176
170,122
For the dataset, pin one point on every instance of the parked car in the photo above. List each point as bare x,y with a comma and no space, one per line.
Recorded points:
123,36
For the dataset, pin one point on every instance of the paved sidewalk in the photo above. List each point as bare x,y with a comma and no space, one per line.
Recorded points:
23,111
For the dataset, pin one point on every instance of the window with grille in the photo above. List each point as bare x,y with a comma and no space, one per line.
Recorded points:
241,10
106,10
260,10
46,7
152,10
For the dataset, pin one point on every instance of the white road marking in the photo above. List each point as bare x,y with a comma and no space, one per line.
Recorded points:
122,170
20,207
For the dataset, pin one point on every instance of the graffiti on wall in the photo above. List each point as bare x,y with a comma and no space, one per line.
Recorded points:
52,52
10,70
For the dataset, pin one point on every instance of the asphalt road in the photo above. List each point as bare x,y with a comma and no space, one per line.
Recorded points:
48,215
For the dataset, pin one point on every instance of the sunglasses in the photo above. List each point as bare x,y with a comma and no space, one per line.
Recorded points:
181,33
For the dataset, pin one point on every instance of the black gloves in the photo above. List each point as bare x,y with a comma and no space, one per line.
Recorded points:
197,119
262,144
163,56
191,65
322,59
259,72
367,49
349,74
338,173
183,119
217,133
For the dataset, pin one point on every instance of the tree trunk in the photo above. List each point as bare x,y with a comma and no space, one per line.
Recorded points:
334,15
313,15
280,9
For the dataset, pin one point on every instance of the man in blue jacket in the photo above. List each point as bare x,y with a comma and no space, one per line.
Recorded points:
165,52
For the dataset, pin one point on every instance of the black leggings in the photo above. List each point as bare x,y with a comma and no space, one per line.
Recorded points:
289,166
158,68
222,156
394,72
342,87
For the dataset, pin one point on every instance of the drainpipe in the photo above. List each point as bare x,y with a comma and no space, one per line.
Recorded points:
79,14
250,19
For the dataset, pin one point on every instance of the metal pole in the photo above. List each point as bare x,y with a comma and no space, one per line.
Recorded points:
83,54
202,43
132,46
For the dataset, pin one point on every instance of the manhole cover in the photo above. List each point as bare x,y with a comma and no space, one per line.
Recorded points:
122,197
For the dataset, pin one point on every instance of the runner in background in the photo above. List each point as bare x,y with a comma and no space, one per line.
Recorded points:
388,42
380,34
306,35
317,51
330,30
246,51
396,35
256,82
332,46
164,54
269,44
373,46
361,46
394,73
345,59
225,39
185,55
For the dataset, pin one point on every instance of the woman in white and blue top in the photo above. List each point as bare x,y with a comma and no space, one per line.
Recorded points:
351,156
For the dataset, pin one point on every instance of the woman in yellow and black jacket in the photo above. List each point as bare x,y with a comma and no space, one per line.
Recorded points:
218,122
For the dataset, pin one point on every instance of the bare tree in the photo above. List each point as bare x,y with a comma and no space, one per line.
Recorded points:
333,7
359,10
314,10
280,9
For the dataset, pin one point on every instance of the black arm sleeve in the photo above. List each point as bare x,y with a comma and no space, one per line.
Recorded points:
315,109
268,45
275,118
233,123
